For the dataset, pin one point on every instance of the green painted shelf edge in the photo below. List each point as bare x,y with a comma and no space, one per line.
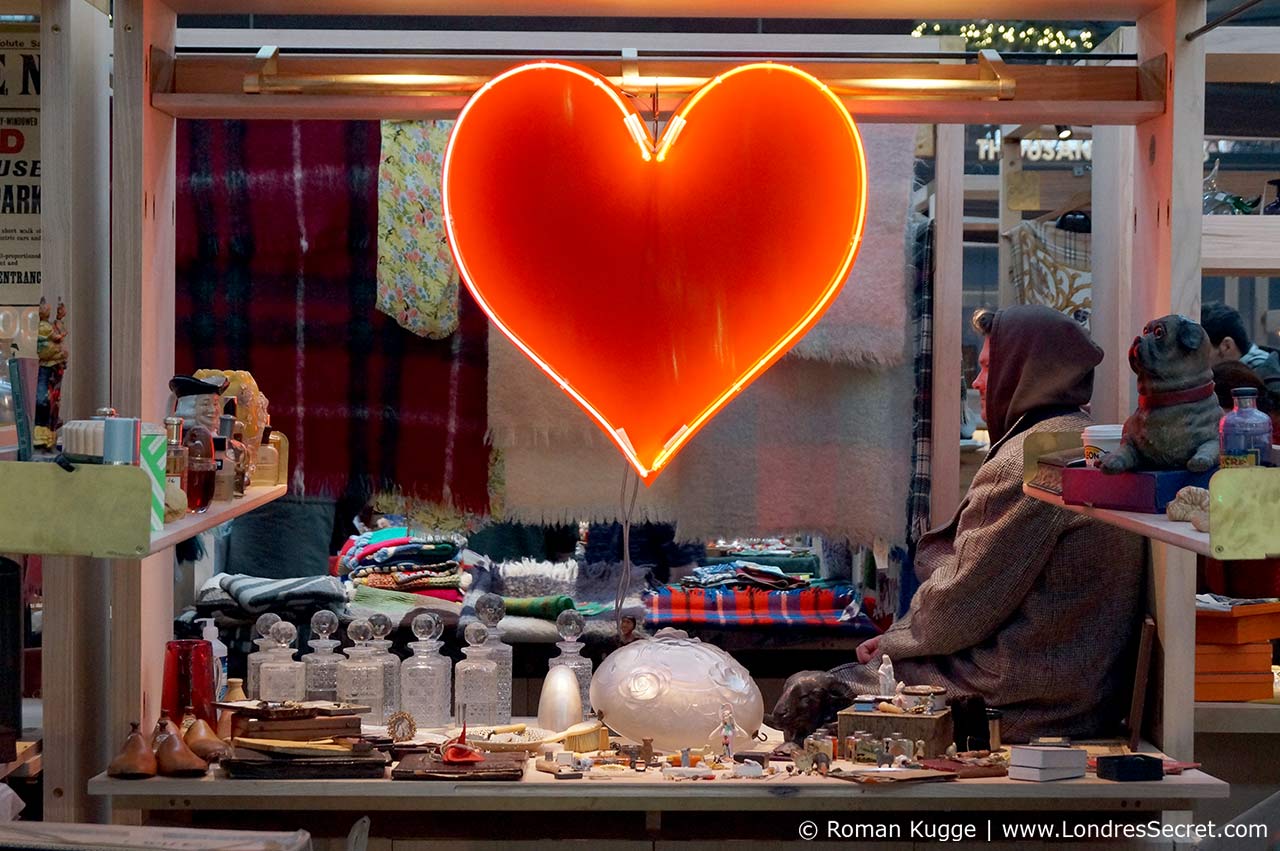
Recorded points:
97,511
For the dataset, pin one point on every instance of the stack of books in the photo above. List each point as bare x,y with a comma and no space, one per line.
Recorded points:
1041,764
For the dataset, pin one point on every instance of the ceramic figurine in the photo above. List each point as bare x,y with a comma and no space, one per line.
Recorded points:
888,682
646,750
196,401
883,757
822,763
685,759
809,699
727,728
919,754
748,769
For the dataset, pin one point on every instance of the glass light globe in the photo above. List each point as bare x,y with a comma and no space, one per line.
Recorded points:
490,609
671,689
428,626
359,631
476,634
324,623
283,633
570,625
263,624
381,625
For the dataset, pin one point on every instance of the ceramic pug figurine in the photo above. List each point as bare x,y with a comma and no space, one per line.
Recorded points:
1176,424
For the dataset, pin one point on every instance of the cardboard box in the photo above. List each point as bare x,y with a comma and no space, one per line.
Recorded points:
936,729
1148,492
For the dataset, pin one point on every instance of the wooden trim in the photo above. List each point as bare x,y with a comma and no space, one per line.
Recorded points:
1010,164
1112,256
948,286
1240,246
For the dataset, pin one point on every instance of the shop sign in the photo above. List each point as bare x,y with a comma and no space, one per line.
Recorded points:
19,166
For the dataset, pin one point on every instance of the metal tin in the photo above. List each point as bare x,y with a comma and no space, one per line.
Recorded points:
120,439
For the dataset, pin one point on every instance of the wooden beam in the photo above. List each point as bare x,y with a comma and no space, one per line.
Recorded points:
1240,246
1010,165
1237,54
1168,167
948,286
1112,258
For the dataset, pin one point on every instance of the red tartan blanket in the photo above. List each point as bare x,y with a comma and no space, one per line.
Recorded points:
745,607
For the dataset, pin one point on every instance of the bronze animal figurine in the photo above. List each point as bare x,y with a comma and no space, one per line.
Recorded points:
1176,424
809,700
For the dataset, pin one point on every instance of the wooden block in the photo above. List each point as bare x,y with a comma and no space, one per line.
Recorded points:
1240,625
1229,687
936,729
1233,658
300,728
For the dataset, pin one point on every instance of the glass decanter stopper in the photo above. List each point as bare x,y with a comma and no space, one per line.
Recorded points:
570,625
381,626
360,675
260,628
281,678
425,676
490,610
476,680
322,663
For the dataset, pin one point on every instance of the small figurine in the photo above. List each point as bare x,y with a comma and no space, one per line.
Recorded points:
883,757
803,761
888,682
919,755
727,728
951,751
822,762
686,761
748,769
646,751
628,632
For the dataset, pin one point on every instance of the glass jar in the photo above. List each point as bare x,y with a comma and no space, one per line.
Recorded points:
253,665
425,676
475,692
322,663
570,625
390,678
281,678
1244,434
490,610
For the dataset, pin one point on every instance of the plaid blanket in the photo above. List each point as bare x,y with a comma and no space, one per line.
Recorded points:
276,274
746,607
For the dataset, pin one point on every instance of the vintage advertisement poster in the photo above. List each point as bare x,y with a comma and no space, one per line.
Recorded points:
19,166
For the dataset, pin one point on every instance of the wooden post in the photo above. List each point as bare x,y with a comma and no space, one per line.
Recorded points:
1010,164
142,330
1112,322
1166,279
75,43
948,284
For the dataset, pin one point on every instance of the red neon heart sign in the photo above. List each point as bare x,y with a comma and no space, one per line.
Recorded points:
653,281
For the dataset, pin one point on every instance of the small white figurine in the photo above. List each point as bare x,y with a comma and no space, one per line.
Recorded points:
888,682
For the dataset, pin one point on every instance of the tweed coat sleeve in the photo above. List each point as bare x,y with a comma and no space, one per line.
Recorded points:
978,579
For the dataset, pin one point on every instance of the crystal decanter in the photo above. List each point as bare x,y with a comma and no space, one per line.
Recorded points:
260,630
381,626
570,625
322,662
281,678
475,692
425,676
490,610
360,674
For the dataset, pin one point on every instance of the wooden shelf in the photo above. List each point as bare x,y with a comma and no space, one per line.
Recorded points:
218,513
1250,718
1240,245
1154,526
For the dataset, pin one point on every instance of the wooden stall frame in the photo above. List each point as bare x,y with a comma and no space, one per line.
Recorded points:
1164,269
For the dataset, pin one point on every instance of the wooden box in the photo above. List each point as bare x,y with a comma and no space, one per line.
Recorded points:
1233,658
1234,687
935,729
1148,492
1240,625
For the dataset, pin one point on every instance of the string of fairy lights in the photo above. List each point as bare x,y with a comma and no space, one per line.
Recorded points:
1014,35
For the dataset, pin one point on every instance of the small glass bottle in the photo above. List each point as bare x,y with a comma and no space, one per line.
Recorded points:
266,469
570,625
360,674
381,626
201,467
237,452
175,459
475,688
425,676
260,628
281,678
490,610
224,479
1244,434
322,662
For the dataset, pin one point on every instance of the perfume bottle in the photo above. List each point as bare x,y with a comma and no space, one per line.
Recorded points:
175,458
381,626
425,676
281,678
266,469
570,625
1244,434
261,628
475,688
490,610
360,674
224,477
322,662
201,466
236,458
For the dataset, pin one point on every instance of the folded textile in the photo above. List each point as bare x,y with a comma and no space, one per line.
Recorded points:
389,581
256,595
743,573
547,608
822,607
393,545
453,596
446,579
401,607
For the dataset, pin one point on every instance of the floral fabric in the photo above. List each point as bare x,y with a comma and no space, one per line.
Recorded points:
417,279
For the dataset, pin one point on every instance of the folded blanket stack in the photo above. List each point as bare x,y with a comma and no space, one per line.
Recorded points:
832,606
743,574
238,596
395,560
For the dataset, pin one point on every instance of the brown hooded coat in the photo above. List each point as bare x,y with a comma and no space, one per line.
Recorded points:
1032,607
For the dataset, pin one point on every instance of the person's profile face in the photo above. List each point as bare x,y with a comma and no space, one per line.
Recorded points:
980,383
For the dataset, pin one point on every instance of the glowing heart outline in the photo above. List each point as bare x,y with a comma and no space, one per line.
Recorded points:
651,150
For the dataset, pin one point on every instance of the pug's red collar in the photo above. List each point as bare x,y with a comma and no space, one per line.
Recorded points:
1177,397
